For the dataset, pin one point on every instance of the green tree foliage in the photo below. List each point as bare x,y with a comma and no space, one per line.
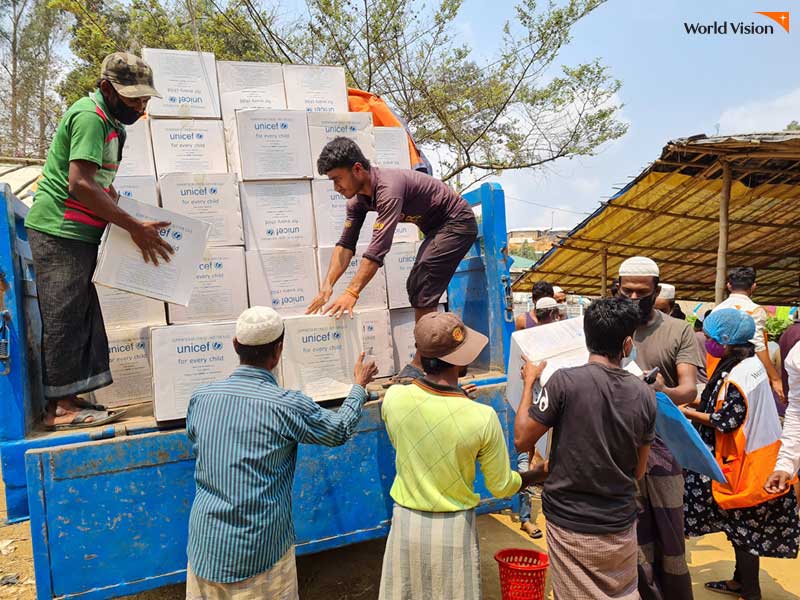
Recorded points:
793,126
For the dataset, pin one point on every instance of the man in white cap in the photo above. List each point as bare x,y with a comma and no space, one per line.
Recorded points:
666,302
559,294
245,430
670,345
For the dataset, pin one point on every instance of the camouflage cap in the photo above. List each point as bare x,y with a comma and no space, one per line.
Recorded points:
129,74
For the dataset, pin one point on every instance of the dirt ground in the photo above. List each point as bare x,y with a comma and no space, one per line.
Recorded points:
353,572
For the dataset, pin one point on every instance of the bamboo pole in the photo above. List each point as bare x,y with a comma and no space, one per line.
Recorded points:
722,248
604,272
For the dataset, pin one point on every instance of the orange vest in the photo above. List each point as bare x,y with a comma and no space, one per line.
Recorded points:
383,116
747,455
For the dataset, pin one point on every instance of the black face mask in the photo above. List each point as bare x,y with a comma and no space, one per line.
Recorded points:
645,305
121,111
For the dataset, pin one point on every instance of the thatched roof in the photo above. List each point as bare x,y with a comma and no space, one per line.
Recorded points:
670,213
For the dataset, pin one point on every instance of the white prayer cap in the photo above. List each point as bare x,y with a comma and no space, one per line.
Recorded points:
557,289
667,291
258,325
638,266
545,303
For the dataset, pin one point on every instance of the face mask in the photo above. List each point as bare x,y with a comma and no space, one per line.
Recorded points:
122,112
631,358
645,304
714,348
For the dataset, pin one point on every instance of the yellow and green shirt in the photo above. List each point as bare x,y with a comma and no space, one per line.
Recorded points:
86,132
438,434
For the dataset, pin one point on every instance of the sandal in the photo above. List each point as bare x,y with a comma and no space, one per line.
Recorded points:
722,587
80,420
532,530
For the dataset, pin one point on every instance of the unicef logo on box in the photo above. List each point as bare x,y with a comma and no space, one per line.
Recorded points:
276,302
284,125
127,193
270,231
370,328
140,346
217,346
173,99
199,135
212,190
218,264
336,335
177,235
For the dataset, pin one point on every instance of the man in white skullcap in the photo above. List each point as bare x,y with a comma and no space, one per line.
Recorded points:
245,430
666,302
670,345
559,294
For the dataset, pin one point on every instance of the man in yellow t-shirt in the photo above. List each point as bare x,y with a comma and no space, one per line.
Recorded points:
439,434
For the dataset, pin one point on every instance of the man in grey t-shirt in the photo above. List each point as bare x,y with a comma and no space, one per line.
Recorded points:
444,217
603,422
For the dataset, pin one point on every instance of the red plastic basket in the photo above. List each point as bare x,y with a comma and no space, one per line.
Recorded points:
522,573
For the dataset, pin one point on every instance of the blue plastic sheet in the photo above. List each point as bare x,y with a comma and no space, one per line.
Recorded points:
683,441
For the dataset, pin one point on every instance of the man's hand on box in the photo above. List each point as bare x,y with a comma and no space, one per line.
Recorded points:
147,236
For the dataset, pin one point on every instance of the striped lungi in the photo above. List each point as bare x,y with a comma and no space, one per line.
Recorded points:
663,571
433,556
279,582
592,566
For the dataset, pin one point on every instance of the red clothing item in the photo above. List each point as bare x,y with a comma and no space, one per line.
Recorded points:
400,195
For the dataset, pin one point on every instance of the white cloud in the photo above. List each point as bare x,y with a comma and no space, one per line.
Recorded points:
763,115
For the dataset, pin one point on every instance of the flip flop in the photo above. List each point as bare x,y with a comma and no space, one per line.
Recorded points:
79,421
535,534
722,587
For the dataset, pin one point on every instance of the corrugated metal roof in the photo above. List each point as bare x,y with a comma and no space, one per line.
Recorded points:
670,213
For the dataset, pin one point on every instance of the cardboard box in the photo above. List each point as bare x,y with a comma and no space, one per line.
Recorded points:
273,144
187,80
129,359
315,88
144,188
239,76
286,279
120,264
405,347
406,232
277,214
330,213
391,148
212,198
186,357
137,153
398,263
324,127
377,337
126,310
319,355
220,289
188,146
372,296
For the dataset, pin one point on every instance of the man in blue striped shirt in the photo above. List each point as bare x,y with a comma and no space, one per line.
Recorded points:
245,430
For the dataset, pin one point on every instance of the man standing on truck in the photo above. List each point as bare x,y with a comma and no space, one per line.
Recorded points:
397,195
74,202
244,431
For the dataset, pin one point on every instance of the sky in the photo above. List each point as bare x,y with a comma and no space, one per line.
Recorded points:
673,85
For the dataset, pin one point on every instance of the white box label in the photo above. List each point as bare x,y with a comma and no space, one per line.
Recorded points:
319,355
391,148
137,153
260,81
186,357
212,198
315,89
187,80
372,296
129,360
220,289
143,189
273,144
324,127
286,280
126,310
398,263
188,146
277,214
121,266
377,337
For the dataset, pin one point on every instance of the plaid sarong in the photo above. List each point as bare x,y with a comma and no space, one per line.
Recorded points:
594,566
74,343
431,556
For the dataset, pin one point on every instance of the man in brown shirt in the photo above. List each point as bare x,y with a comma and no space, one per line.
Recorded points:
397,195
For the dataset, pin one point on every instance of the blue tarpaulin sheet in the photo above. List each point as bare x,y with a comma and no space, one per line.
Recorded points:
683,441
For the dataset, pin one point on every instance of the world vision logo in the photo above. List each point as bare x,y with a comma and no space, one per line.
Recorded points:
781,19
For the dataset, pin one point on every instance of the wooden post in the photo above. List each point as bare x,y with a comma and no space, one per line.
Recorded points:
722,248
604,273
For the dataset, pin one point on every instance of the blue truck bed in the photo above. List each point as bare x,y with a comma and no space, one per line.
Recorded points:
109,506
